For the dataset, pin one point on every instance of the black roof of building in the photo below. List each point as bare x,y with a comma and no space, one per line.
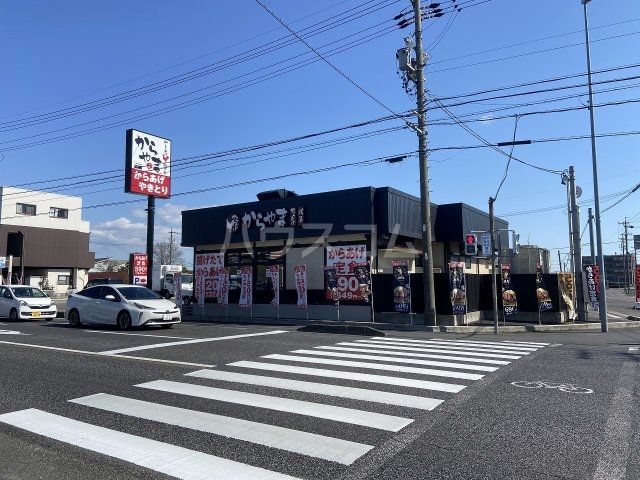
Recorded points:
340,212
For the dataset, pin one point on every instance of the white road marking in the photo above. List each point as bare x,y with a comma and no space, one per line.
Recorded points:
136,334
428,349
359,377
430,363
189,342
310,444
526,343
459,348
376,366
387,351
633,349
160,457
11,332
401,400
472,346
473,352
503,343
126,357
2,323
612,315
310,409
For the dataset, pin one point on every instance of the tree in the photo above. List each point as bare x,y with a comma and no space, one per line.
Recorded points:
165,253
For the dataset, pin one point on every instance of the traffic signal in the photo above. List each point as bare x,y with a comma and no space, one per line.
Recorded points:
471,244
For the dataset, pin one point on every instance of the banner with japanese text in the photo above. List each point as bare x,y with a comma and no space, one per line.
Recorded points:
301,284
273,276
509,298
542,294
401,286
177,281
222,286
331,281
351,267
592,273
566,290
246,287
139,268
458,288
147,164
638,284
205,271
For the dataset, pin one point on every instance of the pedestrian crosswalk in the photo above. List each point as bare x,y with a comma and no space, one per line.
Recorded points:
329,403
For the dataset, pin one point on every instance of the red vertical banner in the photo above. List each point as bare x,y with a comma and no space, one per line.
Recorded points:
301,285
638,284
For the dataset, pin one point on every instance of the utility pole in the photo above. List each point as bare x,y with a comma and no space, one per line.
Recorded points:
429,291
577,247
602,310
559,261
494,282
625,253
566,180
171,232
591,244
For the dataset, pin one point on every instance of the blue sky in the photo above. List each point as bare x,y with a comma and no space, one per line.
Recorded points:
58,55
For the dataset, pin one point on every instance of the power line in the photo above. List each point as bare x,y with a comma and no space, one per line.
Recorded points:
506,170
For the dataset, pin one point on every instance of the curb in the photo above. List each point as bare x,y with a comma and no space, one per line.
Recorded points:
343,329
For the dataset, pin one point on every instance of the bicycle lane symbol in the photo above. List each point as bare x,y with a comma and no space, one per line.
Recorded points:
563,387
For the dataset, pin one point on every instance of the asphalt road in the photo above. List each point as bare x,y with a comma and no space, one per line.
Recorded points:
257,402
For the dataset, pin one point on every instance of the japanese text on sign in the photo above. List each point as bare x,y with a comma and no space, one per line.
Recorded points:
301,284
279,217
349,261
140,268
148,164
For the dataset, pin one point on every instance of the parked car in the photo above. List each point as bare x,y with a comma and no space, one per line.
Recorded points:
102,281
123,305
19,302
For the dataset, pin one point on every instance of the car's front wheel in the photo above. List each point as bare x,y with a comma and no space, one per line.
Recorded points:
74,318
170,325
124,320
13,315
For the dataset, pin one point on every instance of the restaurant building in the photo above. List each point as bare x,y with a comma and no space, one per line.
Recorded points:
345,229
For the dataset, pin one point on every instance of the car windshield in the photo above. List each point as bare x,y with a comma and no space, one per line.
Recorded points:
138,293
27,292
187,278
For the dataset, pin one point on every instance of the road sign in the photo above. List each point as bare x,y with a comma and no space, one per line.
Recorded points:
486,245
636,242
3,262
471,244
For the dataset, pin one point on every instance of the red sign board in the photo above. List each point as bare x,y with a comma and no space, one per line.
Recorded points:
148,165
637,283
139,268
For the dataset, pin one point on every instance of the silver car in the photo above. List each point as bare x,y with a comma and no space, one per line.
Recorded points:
120,304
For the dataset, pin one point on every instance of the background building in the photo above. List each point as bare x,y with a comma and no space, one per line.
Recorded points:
614,269
56,238
528,257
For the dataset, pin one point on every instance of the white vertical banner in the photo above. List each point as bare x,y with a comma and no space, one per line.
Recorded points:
246,287
177,281
222,293
301,284
273,273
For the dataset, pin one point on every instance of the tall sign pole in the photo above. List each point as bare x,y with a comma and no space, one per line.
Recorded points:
591,244
429,291
604,322
577,247
148,172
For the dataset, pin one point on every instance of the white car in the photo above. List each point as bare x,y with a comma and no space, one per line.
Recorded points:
20,302
123,305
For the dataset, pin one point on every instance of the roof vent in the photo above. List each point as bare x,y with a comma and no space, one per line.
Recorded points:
275,194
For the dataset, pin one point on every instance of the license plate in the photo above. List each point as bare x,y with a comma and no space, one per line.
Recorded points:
35,314
166,316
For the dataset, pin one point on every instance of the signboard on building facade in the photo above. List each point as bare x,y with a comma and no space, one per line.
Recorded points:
486,244
277,217
509,298
401,286
636,242
593,285
348,262
139,268
542,294
205,269
301,284
147,164
458,288
246,287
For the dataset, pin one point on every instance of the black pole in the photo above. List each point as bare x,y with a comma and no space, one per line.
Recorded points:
21,257
151,210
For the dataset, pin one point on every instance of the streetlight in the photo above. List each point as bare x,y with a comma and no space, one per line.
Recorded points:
604,323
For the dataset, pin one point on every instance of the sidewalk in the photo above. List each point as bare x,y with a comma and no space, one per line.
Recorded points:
484,327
